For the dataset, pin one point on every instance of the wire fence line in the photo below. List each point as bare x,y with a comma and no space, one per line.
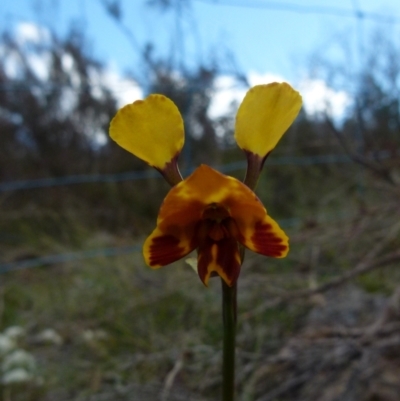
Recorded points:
147,174
340,12
140,175
67,257
18,86
119,251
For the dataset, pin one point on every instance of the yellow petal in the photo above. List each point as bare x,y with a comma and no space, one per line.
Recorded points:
265,114
151,129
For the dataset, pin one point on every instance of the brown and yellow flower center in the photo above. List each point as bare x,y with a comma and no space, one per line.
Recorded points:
216,223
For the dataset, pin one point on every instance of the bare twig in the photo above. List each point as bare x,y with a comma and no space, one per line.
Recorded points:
381,171
389,236
361,268
287,386
170,378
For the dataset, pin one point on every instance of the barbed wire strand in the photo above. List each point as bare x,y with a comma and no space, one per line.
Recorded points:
119,251
306,9
147,174
67,257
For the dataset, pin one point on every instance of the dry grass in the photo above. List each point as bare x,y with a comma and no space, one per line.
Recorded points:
130,333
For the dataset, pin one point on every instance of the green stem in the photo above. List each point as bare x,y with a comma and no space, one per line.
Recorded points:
229,321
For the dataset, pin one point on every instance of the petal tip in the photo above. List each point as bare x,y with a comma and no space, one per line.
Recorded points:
267,111
137,126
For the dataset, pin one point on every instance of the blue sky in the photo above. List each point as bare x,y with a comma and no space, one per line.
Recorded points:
278,41
274,38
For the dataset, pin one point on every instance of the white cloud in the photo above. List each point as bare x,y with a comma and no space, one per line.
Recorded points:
12,67
228,94
255,78
28,32
39,65
319,98
38,59
69,66
124,90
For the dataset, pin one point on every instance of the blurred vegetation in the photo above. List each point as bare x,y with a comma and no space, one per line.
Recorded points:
320,324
